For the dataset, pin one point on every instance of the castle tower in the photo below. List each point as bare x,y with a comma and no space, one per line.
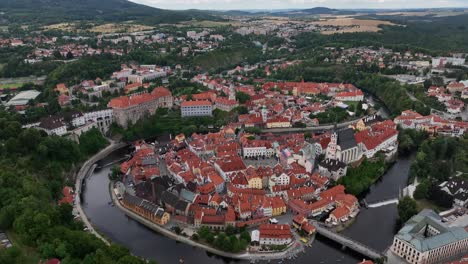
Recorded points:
232,93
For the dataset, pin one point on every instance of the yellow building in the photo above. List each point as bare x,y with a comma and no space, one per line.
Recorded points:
165,217
360,125
145,209
255,183
278,206
279,123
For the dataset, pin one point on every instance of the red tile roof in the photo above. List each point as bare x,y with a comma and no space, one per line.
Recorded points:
195,103
373,138
340,212
331,193
128,101
275,231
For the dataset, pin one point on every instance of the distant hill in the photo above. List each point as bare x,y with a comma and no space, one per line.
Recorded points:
56,11
319,11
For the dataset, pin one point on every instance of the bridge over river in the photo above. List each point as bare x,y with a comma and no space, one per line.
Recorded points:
348,242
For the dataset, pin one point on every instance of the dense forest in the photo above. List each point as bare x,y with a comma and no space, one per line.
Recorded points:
431,35
59,11
33,169
437,160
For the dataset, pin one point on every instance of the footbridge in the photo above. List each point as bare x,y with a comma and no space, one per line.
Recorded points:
348,242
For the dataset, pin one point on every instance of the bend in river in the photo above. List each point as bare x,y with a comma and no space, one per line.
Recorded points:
374,227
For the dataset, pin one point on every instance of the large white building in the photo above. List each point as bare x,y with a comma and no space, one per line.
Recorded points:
196,108
257,148
129,109
75,123
424,239
23,98
103,118
147,76
271,234
441,61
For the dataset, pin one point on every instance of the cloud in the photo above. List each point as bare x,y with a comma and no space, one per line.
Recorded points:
271,4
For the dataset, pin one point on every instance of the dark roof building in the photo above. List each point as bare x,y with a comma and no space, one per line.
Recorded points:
346,139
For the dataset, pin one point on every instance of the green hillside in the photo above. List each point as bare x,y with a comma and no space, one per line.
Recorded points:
56,11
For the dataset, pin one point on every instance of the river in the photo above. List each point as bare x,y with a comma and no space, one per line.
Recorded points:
374,227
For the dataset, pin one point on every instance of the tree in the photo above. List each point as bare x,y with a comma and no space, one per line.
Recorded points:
422,190
440,197
241,110
92,141
242,97
69,55
210,238
245,236
407,208
115,173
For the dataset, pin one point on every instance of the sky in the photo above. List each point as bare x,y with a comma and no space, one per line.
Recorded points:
282,4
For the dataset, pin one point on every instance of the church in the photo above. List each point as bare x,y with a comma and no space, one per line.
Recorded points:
343,147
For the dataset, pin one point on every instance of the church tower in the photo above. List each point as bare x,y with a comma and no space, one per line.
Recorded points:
264,114
332,147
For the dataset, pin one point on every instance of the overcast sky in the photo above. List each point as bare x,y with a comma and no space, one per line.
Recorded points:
276,4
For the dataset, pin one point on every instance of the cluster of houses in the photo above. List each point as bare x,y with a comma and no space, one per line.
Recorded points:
381,57
448,96
69,51
433,124
87,90
190,42
218,192
287,28
128,80
207,181
275,105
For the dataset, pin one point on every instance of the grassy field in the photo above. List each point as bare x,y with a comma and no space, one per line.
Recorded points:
32,257
61,26
364,25
10,85
351,104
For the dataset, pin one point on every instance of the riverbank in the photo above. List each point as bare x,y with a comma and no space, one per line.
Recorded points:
81,175
240,256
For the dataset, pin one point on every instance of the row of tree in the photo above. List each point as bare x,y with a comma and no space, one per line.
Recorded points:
230,240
